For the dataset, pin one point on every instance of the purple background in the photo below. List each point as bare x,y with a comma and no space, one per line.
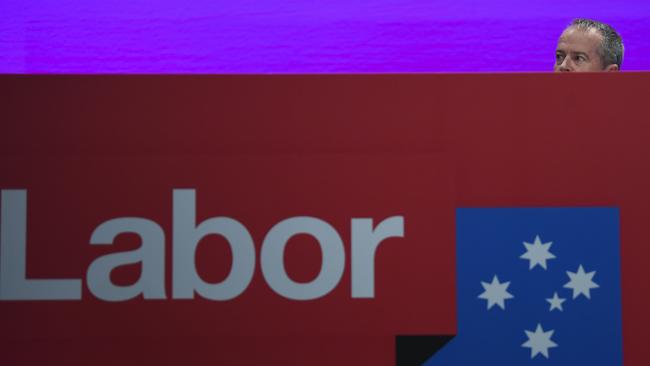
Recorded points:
263,36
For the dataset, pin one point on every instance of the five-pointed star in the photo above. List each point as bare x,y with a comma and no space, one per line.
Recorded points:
537,253
539,341
556,302
495,293
581,282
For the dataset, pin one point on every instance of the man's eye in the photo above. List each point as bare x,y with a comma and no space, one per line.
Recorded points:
581,58
559,57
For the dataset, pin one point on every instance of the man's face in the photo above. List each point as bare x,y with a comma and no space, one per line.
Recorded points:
577,51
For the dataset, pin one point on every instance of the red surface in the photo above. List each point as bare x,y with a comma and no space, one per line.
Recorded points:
264,148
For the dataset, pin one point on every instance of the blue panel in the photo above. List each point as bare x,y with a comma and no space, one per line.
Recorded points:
582,260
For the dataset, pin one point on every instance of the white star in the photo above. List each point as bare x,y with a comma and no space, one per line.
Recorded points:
556,302
581,282
539,341
537,253
495,293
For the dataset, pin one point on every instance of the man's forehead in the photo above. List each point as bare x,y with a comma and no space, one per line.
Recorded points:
580,39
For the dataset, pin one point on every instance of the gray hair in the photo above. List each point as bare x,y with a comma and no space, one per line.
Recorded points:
611,49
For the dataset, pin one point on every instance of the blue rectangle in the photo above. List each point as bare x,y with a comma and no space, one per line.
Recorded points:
537,286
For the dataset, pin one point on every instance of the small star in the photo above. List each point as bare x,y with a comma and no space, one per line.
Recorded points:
539,341
495,293
581,282
556,302
537,253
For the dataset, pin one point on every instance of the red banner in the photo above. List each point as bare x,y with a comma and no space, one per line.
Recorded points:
286,219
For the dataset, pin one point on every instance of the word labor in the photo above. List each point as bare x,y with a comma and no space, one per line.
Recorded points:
186,282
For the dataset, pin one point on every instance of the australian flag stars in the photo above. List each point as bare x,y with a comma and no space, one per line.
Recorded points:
536,286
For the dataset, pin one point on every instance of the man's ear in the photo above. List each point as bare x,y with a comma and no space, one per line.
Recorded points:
612,67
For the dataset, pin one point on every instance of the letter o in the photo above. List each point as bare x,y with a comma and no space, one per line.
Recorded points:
272,258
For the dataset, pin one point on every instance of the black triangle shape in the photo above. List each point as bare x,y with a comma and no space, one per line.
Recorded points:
414,350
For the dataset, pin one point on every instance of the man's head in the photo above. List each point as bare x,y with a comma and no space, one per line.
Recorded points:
588,45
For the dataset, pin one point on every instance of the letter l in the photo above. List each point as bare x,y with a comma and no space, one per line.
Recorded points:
13,233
